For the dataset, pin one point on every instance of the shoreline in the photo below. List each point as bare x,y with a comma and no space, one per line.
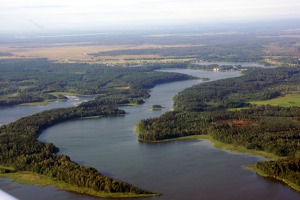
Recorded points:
237,149
219,145
262,174
30,178
243,150
215,143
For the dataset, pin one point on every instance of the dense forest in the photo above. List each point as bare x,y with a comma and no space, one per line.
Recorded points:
37,80
222,110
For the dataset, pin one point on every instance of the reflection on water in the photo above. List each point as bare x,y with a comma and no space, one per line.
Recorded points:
179,170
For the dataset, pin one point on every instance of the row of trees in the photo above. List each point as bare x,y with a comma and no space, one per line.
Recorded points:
284,169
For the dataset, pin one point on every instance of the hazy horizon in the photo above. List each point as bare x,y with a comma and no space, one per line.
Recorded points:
27,16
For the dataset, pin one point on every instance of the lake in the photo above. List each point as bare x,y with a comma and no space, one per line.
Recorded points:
179,170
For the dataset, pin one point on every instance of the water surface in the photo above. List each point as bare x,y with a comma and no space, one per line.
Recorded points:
179,170
10,114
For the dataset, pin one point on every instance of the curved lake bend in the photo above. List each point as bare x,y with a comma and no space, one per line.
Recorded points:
179,170
12,113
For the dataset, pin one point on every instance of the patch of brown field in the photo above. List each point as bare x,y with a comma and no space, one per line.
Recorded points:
296,119
241,123
136,57
273,60
79,52
284,50
122,88
279,36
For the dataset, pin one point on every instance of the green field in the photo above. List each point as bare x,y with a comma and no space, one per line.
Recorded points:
287,100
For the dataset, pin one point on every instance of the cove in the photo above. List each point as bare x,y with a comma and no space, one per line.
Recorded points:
178,169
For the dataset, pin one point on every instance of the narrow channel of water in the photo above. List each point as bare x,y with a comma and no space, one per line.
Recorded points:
10,114
179,170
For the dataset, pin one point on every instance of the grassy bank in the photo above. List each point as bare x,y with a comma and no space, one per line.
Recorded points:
261,173
42,181
236,148
217,144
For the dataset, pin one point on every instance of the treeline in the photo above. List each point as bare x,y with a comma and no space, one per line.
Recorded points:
37,80
265,128
173,124
255,84
207,109
21,150
283,169
216,66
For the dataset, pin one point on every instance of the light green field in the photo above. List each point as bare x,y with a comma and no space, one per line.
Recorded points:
65,93
287,100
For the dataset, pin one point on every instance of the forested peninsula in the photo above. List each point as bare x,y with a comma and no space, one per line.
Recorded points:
224,110
36,80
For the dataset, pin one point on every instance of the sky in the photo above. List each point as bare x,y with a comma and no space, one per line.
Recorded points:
43,15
